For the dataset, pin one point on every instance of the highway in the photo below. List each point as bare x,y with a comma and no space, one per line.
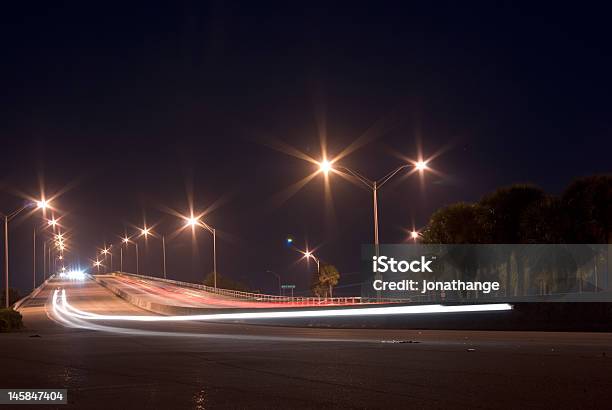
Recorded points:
199,365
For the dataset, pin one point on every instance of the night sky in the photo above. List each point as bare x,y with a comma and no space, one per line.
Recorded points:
130,108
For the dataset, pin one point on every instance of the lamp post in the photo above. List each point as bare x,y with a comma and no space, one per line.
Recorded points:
44,261
193,222
52,223
164,253
308,254
42,204
326,166
34,258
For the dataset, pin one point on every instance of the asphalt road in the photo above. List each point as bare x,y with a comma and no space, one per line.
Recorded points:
111,364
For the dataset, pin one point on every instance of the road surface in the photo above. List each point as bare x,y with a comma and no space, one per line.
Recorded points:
212,365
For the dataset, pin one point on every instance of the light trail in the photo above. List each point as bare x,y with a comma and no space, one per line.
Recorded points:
65,318
69,310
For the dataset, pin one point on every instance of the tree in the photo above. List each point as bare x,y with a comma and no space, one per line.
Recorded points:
327,277
545,222
460,223
588,203
506,207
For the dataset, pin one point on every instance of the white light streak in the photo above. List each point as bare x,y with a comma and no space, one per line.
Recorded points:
67,309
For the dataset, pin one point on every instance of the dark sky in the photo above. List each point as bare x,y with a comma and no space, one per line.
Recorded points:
130,105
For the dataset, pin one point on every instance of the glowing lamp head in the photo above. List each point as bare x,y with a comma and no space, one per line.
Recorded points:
61,257
414,235
42,204
307,254
325,166
192,221
97,263
104,251
52,222
145,232
421,165
125,240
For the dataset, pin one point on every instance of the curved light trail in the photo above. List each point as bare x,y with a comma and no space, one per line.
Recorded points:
65,308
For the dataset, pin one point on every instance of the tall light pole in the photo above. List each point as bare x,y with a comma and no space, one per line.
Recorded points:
164,253
44,261
34,258
193,222
52,223
42,204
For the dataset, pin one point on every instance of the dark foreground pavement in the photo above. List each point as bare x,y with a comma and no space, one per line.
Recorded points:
208,365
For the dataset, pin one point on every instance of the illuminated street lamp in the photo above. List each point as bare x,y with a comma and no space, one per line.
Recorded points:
309,255
145,231
42,204
97,264
414,235
326,166
192,222
126,241
106,251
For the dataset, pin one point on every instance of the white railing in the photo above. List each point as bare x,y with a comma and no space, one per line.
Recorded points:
261,297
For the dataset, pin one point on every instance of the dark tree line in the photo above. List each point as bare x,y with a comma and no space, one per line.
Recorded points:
526,214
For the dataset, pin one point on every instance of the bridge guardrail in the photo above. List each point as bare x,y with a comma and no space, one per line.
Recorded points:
262,297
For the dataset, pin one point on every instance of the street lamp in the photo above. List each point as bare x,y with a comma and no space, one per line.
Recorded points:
326,166
106,251
414,235
193,222
144,231
309,255
42,204
126,240
97,264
